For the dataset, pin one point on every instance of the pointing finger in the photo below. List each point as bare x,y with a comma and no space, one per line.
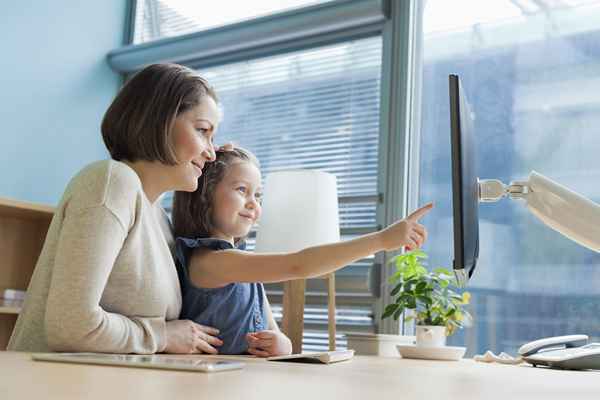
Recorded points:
420,212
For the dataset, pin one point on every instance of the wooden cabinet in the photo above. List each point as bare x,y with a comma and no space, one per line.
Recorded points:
23,228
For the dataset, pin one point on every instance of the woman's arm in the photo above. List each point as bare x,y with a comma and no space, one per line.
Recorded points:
211,269
89,244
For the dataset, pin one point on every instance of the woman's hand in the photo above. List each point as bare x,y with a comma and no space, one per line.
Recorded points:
407,232
184,337
226,147
268,343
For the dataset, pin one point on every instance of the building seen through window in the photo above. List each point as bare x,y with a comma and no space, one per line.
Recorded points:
530,71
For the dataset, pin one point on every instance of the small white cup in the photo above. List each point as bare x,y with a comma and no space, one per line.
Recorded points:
431,336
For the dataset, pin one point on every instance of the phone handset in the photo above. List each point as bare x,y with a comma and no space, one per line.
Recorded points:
567,341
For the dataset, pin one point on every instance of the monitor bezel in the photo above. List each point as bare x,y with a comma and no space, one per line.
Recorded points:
465,195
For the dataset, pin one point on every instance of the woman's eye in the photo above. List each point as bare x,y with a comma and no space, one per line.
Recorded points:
241,189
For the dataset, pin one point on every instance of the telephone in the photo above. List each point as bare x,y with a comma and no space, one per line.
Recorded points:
564,352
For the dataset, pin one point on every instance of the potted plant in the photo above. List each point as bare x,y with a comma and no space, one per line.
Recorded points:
437,309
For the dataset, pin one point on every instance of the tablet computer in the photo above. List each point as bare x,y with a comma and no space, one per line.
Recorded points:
142,361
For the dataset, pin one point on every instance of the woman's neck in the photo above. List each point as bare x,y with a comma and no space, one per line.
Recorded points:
153,178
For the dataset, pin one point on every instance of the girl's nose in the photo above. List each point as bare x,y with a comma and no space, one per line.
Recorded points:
252,204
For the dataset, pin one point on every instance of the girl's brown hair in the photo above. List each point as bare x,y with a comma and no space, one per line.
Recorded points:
193,211
138,123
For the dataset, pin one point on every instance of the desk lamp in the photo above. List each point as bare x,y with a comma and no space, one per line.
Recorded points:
300,209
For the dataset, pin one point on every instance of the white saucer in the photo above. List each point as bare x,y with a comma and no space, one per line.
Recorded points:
447,353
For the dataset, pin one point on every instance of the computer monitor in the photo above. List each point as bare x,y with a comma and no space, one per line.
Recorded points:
465,186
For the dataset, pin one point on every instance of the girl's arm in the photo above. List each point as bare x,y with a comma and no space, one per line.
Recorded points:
211,269
272,323
270,342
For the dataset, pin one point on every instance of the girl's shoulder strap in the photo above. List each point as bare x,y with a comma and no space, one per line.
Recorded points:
209,243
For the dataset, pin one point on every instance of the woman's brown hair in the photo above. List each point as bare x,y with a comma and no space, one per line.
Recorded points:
138,123
192,211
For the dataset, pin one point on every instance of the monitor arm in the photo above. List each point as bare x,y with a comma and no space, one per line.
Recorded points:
563,210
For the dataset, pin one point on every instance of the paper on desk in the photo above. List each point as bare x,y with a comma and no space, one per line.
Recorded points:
503,358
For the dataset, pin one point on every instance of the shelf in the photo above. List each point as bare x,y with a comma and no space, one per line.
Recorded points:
22,209
10,306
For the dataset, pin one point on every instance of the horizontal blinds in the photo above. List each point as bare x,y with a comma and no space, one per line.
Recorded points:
156,19
316,109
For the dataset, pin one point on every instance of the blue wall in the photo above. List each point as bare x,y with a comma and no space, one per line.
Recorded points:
55,86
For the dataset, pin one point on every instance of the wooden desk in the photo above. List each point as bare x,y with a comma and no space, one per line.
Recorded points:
361,378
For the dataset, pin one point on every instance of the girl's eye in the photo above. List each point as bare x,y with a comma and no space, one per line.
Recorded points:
202,130
241,189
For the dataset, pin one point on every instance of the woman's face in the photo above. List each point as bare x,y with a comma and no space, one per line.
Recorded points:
193,133
236,203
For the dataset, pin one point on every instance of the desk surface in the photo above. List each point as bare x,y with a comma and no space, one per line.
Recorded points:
361,378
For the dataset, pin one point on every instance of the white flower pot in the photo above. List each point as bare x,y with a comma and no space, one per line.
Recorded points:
377,345
431,336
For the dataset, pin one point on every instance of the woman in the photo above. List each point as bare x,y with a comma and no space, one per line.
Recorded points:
105,280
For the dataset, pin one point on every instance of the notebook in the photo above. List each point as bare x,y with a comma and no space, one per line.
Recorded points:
327,357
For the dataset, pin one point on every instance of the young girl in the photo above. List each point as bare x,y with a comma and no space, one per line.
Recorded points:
221,283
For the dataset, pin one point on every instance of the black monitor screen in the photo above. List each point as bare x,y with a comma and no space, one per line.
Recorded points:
465,187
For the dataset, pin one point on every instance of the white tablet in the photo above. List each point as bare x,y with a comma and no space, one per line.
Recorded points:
142,361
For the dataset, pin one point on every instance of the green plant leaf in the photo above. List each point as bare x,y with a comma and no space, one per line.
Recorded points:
397,313
418,253
389,310
411,303
397,289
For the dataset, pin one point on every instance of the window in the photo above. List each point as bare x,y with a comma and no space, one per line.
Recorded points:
156,19
307,97
529,69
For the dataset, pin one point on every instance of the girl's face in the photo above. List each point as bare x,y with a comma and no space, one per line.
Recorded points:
237,201
193,133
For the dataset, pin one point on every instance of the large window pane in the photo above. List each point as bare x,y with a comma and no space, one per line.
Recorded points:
155,19
530,71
